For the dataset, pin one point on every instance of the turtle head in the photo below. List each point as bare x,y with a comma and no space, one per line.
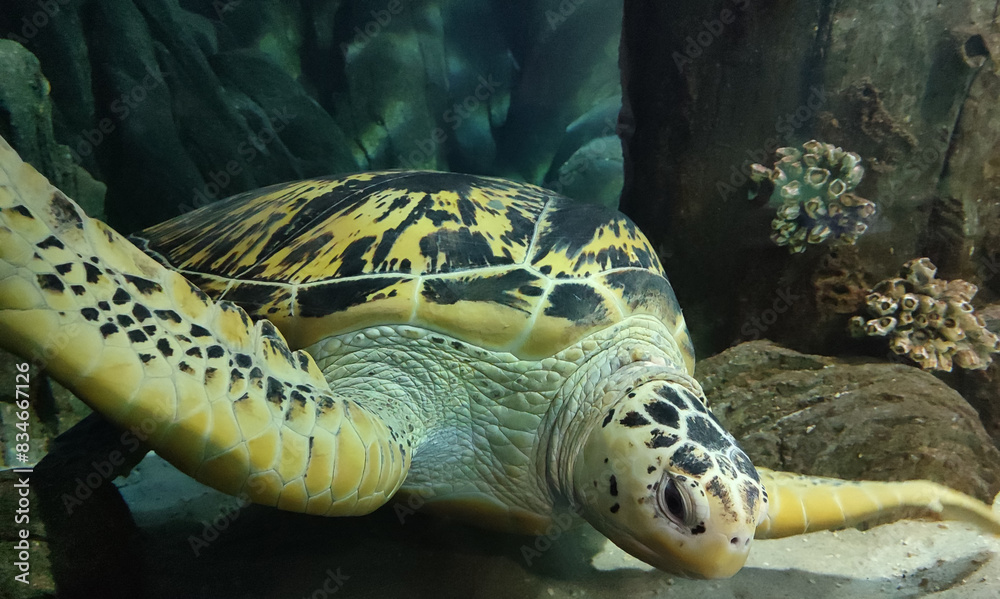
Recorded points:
661,478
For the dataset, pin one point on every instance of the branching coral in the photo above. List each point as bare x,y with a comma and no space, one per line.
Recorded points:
813,189
928,320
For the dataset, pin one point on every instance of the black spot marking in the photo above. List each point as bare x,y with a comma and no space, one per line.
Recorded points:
499,289
726,467
108,329
254,297
337,296
577,303
125,321
650,469
140,312
274,392
93,273
633,419
750,496
210,374
90,314
671,395
660,440
607,419
243,361
199,331
103,305
352,257
184,367
194,351
63,210
303,361
698,404
697,530
23,211
613,482
121,297
267,329
144,286
168,315
664,414
643,288
298,398
235,375
50,242
64,268
146,358
137,336
459,249
164,346
615,508
717,489
701,431
78,289
50,282
282,349
743,464
215,351
688,461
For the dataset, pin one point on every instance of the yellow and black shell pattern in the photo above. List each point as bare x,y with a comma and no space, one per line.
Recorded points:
502,265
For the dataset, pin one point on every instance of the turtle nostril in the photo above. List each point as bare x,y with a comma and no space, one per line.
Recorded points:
734,541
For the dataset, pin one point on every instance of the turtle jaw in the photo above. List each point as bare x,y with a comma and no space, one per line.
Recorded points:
715,557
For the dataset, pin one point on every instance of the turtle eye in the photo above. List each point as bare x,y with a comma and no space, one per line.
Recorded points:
673,502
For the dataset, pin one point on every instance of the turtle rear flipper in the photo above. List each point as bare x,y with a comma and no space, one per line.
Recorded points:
799,504
220,397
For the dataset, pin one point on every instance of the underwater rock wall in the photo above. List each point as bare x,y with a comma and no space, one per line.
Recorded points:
176,103
717,86
27,123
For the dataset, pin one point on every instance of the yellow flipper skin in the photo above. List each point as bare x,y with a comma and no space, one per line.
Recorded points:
800,504
220,397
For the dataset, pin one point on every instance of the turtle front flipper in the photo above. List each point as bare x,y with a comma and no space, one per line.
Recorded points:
221,398
798,504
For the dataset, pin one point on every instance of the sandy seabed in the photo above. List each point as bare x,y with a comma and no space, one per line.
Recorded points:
200,543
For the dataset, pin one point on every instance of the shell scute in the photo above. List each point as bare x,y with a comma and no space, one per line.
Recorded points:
503,265
579,240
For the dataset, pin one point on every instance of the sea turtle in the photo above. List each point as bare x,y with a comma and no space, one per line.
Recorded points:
319,346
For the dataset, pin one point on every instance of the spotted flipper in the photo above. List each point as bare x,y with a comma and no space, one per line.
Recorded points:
221,398
800,504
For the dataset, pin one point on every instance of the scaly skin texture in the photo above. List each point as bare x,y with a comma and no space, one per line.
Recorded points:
227,402
801,504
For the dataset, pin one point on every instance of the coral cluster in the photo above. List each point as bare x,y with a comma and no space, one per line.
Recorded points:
928,320
813,188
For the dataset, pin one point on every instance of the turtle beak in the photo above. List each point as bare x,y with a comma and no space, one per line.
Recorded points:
716,556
